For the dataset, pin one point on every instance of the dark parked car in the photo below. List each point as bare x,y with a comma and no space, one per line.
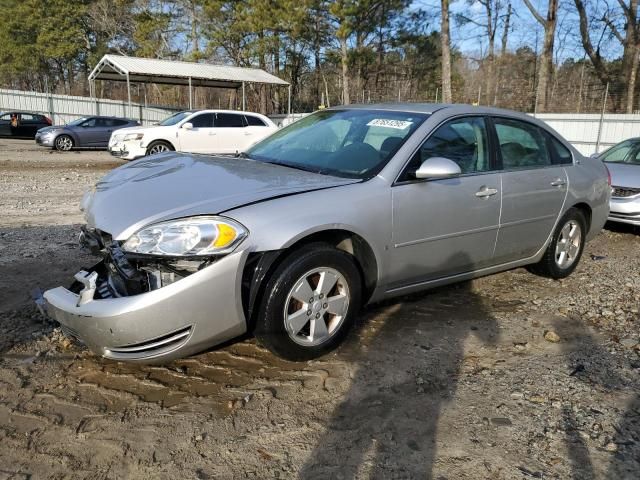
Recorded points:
22,124
93,132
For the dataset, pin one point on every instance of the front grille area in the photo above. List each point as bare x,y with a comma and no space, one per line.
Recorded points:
623,192
156,346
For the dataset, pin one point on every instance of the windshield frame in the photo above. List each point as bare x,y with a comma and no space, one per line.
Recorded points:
78,121
183,115
421,117
634,148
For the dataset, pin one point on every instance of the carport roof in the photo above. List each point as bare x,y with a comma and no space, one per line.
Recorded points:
170,72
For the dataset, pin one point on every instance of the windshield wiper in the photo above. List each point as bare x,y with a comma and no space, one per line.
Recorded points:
296,167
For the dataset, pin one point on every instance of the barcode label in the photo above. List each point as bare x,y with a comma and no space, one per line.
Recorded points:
381,122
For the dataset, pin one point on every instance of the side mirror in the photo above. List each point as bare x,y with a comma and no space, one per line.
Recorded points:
594,155
438,167
187,126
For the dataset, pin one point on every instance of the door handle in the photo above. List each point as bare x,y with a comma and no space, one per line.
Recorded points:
211,134
485,192
558,182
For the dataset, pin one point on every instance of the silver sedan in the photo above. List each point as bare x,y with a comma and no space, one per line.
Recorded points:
623,162
345,207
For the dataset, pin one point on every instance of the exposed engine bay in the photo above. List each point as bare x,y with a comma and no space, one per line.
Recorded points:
121,274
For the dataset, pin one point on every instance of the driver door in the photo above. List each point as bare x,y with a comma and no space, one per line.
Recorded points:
447,226
201,138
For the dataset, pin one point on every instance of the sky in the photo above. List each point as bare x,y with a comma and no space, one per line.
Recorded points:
526,30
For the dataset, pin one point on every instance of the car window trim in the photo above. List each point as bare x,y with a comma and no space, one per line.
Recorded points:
492,159
545,134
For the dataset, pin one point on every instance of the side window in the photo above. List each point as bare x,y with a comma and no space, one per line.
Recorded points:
103,122
204,120
254,121
463,141
5,119
522,145
119,123
228,120
561,154
90,123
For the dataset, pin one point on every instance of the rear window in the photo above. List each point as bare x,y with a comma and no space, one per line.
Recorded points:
254,121
561,154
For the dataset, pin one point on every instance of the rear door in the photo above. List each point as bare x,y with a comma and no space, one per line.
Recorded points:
231,133
256,129
29,124
5,125
534,188
200,138
447,226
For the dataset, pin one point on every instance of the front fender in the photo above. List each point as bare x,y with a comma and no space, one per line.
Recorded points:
361,208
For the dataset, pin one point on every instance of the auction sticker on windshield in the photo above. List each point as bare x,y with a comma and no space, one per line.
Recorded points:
389,123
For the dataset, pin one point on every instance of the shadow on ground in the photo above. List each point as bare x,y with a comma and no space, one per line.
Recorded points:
387,424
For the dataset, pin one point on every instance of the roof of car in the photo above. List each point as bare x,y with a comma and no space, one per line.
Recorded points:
434,107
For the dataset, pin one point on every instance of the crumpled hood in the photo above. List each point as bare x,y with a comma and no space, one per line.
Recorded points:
174,185
624,174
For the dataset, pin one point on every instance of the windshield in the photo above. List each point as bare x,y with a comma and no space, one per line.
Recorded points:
175,118
346,143
625,152
77,122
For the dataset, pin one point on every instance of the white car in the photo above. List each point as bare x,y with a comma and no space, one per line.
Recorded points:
202,131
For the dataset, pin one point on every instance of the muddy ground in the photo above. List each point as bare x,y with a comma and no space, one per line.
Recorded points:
508,377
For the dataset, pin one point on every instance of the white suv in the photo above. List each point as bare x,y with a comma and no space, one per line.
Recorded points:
202,131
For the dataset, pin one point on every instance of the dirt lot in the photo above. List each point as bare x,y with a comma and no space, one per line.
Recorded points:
511,376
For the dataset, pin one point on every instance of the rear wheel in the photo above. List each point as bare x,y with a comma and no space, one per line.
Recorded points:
64,143
159,147
310,302
565,249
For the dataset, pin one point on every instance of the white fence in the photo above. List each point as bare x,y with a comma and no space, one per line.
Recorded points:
583,130
65,108
587,132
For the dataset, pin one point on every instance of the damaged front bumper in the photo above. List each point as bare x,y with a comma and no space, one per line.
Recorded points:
168,321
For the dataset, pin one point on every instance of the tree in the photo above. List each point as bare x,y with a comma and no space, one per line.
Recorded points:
545,72
445,47
630,42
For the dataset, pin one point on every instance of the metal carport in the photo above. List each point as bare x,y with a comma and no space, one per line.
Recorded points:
120,68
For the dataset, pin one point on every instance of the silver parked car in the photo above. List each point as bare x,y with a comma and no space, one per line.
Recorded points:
342,208
623,162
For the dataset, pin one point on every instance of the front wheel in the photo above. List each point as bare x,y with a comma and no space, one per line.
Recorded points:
64,143
310,302
159,147
565,249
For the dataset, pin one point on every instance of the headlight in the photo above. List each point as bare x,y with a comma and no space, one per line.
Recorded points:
187,236
133,136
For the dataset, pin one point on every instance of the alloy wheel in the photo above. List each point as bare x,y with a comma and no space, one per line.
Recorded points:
158,148
568,244
64,143
316,306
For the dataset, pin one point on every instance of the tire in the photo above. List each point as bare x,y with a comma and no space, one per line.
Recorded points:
281,313
159,146
63,143
553,264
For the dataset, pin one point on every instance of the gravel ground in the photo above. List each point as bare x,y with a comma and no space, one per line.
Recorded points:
507,377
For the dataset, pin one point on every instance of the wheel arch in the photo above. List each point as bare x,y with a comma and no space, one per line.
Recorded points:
261,265
161,140
72,135
586,211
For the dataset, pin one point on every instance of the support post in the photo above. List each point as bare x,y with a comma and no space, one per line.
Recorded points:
604,107
190,95
289,102
128,95
244,99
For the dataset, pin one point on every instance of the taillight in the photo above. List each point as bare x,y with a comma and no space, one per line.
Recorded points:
48,120
608,176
